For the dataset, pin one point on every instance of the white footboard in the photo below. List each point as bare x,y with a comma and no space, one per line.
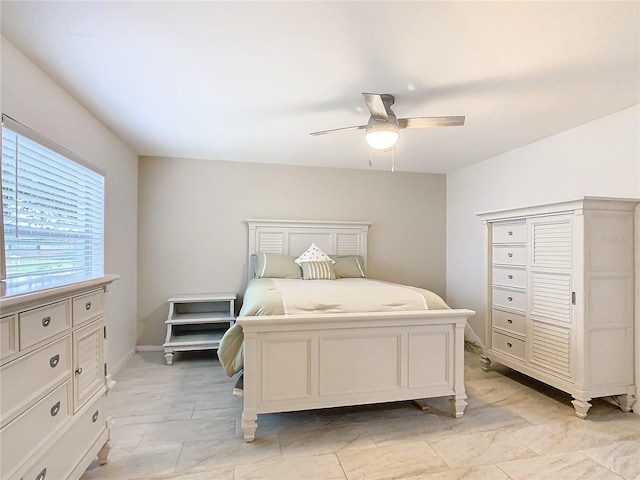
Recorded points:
330,360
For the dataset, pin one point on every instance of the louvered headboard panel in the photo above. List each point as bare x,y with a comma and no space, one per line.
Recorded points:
292,237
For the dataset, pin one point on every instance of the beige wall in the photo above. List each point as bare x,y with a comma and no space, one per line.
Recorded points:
35,100
192,237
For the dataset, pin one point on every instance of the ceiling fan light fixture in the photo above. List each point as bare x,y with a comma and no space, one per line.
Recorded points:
382,135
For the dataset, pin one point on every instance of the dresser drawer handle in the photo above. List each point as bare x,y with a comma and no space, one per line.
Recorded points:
87,306
55,409
510,299
510,277
79,371
42,475
94,419
53,361
46,321
509,233
509,344
509,320
510,255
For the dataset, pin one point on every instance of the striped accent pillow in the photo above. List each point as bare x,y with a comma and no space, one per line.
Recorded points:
318,271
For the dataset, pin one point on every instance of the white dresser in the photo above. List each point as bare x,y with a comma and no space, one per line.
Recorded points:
561,296
53,381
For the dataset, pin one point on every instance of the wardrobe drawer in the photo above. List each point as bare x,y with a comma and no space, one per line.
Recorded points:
511,322
88,306
42,323
25,379
64,452
8,336
507,344
509,233
20,438
509,255
509,299
509,277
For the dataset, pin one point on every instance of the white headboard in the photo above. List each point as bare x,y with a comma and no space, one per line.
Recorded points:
293,237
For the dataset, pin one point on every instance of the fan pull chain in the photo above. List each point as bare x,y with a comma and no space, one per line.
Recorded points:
370,160
393,160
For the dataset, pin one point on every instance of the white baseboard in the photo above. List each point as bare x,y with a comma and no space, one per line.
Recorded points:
114,369
150,348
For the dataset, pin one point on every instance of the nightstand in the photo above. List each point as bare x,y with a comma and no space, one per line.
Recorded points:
197,322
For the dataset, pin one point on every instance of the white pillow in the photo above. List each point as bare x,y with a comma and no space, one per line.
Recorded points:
314,254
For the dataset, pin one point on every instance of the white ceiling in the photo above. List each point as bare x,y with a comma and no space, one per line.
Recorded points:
248,81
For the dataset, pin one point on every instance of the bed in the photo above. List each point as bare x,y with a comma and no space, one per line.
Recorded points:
300,352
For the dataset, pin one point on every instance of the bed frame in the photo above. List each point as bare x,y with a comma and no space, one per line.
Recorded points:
297,362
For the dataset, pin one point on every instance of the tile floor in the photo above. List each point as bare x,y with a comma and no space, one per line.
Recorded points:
182,422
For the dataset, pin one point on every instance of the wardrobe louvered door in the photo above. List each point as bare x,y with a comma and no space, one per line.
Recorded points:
550,283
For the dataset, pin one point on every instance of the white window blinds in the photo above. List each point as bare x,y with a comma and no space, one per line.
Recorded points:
53,211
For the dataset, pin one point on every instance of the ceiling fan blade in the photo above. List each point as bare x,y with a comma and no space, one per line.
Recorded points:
376,106
424,122
324,132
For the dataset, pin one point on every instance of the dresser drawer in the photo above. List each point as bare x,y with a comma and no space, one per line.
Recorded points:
21,438
509,255
509,233
509,299
42,323
8,336
507,344
62,454
25,379
509,277
88,306
511,322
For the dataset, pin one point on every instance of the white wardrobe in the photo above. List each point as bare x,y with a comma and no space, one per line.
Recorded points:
561,296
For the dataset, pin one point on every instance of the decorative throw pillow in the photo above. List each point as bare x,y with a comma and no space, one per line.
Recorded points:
313,254
272,265
349,266
318,271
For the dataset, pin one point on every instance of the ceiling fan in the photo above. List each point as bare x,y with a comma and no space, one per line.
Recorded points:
383,127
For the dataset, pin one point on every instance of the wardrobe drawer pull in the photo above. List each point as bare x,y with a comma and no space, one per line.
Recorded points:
79,371
509,344
509,320
94,419
510,277
55,409
46,321
87,305
509,233
510,255
510,299
53,361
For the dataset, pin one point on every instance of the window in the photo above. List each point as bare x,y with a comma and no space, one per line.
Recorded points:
52,210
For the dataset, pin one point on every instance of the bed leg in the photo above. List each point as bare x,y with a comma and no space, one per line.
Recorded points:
485,363
249,425
458,404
